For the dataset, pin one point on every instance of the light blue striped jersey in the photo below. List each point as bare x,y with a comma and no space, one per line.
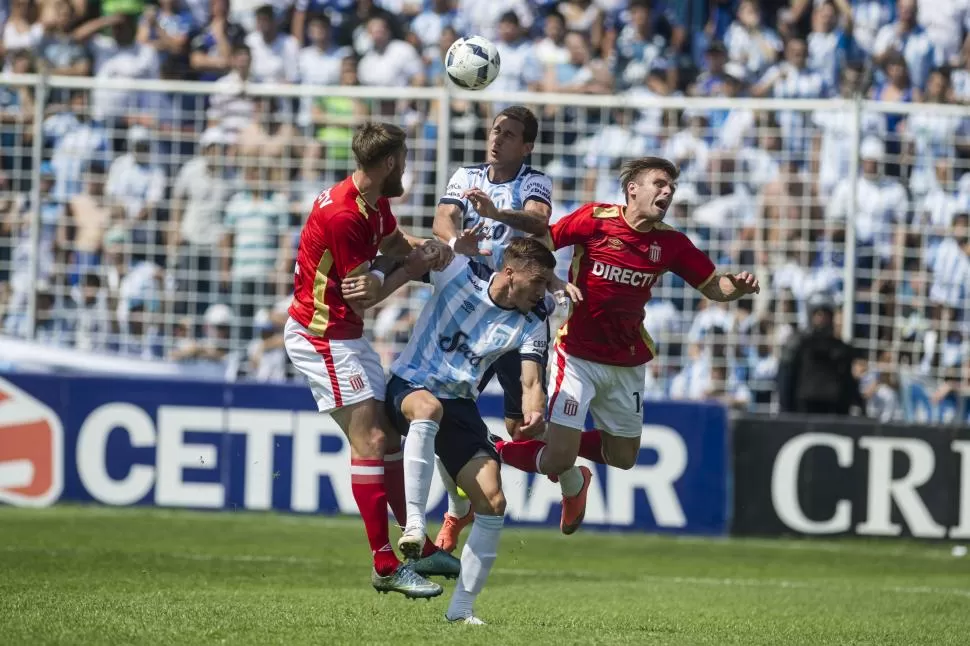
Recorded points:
528,184
461,332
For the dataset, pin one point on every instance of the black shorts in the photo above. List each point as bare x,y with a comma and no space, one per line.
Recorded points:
461,434
508,368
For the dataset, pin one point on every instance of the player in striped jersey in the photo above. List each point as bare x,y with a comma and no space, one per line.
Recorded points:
474,317
504,199
337,276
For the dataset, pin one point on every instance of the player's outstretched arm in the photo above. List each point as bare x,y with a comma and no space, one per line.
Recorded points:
730,287
532,219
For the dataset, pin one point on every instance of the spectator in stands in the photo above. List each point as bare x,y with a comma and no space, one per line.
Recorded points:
333,119
815,374
88,216
907,39
710,82
117,56
830,43
950,266
254,240
429,24
198,197
210,354
868,17
689,150
167,30
482,17
732,127
355,26
320,62
275,55
881,202
214,47
58,52
390,62
945,23
21,32
230,108
520,68
87,314
79,142
929,135
582,73
638,46
551,50
138,185
605,152
833,150
751,44
265,353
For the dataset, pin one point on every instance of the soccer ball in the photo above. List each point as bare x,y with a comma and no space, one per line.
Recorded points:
472,63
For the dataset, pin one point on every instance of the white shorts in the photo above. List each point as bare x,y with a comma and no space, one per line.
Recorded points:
339,372
613,395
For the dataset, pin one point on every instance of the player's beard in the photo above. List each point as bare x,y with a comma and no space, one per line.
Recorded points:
393,185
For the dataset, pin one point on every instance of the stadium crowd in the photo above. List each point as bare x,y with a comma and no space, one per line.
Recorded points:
168,220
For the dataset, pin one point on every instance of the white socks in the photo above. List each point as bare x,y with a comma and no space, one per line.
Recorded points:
571,481
477,558
418,469
457,506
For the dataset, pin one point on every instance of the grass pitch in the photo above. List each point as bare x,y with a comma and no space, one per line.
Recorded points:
91,575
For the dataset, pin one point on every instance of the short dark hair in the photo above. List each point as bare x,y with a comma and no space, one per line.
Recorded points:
240,48
632,169
510,17
374,142
266,11
963,216
318,16
528,251
525,116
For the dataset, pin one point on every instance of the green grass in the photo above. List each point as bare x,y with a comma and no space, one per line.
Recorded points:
90,575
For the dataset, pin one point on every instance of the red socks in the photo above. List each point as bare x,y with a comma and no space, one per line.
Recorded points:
367,483
394,484
523,455
591,446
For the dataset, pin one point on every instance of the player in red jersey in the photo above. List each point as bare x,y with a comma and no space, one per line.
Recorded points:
601,350
337,276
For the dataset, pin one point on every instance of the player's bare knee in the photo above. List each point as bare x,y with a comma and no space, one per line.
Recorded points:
492,503
375,442
622,460
555,462
423,405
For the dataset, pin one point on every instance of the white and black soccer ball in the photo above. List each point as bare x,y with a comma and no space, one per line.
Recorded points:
472,63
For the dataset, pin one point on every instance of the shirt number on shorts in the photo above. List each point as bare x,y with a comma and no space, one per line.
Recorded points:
636,398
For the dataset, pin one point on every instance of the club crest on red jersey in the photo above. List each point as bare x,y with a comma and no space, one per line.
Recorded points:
654,252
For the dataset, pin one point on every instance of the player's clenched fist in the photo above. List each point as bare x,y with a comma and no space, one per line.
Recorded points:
363,291
438,254
745,282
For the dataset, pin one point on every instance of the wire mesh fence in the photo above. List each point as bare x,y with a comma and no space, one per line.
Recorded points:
158,220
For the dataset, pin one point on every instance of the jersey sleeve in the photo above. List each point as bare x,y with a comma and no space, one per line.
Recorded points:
389,225
455,268
537,187
693,265
535,342
575,228
455,193
348,242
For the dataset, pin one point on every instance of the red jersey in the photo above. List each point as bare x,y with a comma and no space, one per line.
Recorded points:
616,266
340,238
